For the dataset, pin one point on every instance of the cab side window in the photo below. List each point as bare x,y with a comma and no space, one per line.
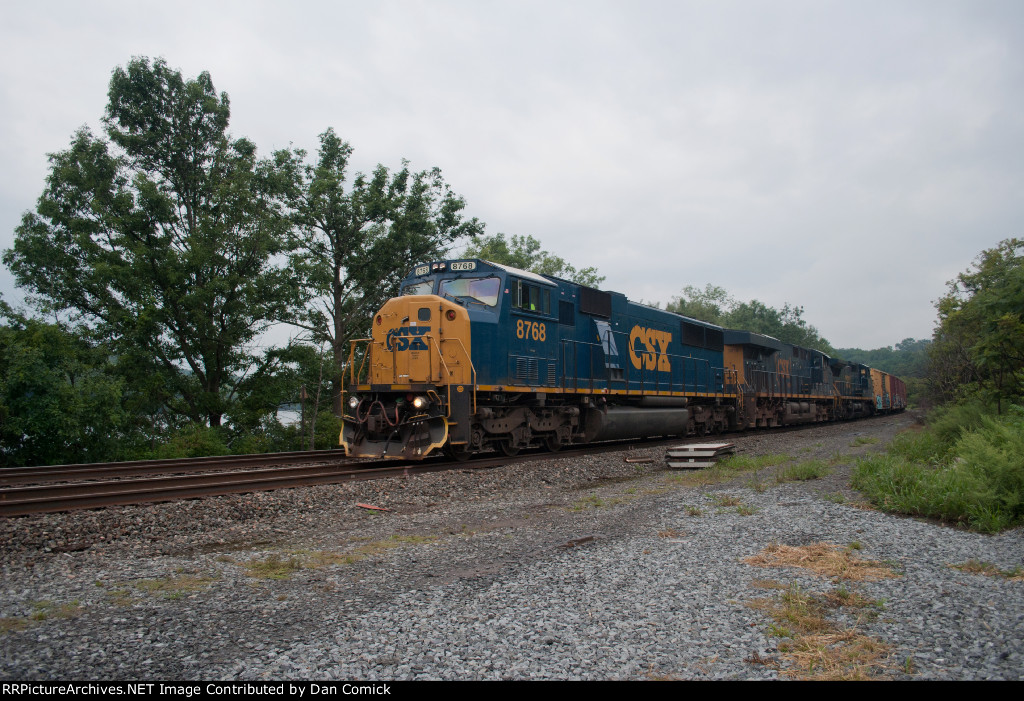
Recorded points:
531,298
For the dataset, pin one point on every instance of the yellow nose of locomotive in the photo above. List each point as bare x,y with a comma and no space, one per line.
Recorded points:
421,339
411,384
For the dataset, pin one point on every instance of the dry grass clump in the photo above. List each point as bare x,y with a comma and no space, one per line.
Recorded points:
814,646
824,559
989,570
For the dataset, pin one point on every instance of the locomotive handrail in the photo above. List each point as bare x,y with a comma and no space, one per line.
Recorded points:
472,369
353,373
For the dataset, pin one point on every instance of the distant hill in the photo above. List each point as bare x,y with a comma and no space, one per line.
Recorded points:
909,357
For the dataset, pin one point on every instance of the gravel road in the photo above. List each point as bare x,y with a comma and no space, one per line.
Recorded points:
576,568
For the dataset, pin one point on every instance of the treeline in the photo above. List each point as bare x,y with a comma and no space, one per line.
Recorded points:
967,466
161,252
907,359
714,304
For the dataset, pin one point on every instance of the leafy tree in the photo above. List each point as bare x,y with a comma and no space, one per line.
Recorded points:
167,239
356,241
60,398
710,304
524,252
713,304
979,343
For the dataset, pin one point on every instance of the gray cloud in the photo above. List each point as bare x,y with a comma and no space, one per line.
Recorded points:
849,157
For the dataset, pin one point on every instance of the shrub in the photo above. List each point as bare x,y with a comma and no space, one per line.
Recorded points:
971,473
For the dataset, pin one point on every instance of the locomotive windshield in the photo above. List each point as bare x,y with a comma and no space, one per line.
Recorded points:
418,288
482,289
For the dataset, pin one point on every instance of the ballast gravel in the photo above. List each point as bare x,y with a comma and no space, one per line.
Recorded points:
574,568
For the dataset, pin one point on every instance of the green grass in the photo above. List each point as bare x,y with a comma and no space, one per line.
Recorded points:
803,471
275,566
174,587
745,463
967,467
727,469
863,440
41,611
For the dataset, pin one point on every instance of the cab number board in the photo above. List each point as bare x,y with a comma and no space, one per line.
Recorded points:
531,330
468,265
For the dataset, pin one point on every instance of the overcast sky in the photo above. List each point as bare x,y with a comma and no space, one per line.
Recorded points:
849,157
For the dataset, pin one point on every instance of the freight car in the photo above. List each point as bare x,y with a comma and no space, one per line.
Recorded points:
475,355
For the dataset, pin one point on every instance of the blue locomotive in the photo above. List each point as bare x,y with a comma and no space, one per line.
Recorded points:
475,355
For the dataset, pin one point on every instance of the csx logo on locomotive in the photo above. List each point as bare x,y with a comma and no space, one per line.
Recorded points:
406,338
650,348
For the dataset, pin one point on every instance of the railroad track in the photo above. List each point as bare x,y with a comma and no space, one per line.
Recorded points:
134,468
55,488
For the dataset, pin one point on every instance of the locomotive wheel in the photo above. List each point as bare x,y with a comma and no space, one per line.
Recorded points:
507,449
460,454
553,444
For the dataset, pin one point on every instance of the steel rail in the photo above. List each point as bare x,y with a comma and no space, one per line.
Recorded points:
51,498
61,473
20,501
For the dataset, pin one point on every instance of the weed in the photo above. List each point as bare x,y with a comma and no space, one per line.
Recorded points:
743,463
855,545
670,533
727,469
815,648
174,587
121,596
41,611
48,609
967,467
757,485
803,471
694,511
863,440
591,502
273,567
990,570
835,497
727,500
744,510
13,624
276,567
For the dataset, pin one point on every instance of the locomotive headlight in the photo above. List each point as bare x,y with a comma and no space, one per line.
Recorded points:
353,402
420,402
